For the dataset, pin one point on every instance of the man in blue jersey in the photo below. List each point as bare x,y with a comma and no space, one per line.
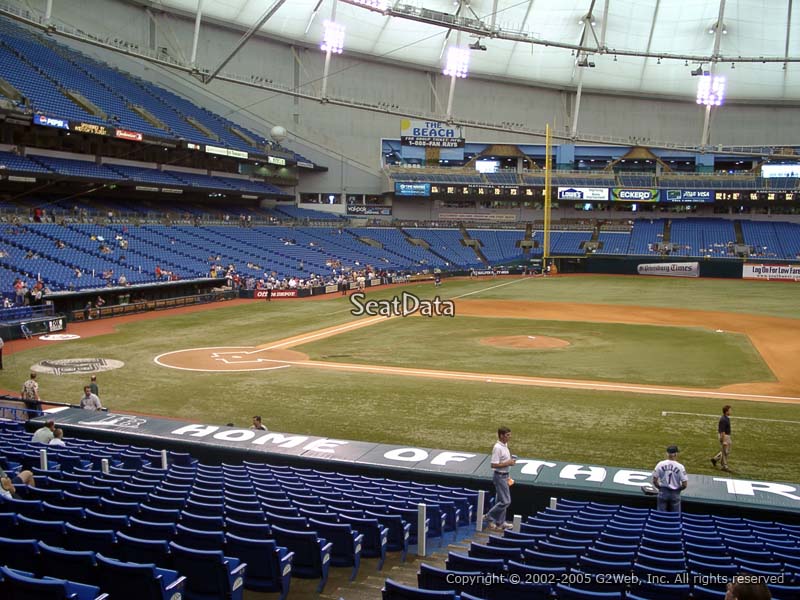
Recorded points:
669,478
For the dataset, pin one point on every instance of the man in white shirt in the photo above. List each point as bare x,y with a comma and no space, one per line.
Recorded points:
90,401
501,461
43,435
669,478
58,438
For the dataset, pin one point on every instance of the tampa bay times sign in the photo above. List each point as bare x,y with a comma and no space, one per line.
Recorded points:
527,471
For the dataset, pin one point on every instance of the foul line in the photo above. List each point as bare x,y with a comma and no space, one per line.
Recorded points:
664,413
499,285
522,380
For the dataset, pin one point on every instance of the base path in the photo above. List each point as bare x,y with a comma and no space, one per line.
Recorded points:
776,339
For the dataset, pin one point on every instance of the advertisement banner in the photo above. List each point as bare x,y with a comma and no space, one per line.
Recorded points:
483,217
780,272
634,195
404,188
82,127
673,269
582,193
46,121
275,293
692,196
331,287
430,134
124,134
362,209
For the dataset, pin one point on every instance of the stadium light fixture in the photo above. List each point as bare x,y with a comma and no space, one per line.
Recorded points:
381,5
711,90
457,64
332,38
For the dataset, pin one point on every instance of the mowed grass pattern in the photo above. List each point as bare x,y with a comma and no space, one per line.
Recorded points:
620,429
598,351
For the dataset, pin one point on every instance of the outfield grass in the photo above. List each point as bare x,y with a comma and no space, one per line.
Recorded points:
598,351
618,429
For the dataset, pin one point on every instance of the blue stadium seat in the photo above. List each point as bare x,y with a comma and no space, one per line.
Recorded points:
97,540
432,578
396,591
18,586
20,554
399,532
50,532
210,574
312,554
132,581
376,537
345,543
269,565
463,562
76,565
144,551
198,539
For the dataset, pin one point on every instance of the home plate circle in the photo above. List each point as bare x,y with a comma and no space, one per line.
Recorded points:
57,337
230,359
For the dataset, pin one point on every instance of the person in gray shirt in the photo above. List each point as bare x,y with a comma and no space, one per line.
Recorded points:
90,401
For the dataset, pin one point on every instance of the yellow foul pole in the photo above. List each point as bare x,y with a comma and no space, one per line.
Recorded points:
548,175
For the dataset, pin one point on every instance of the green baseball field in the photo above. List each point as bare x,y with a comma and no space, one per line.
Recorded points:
593,369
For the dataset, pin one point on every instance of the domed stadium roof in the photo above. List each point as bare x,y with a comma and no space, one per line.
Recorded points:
640,47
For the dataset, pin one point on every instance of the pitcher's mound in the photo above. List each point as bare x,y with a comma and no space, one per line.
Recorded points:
534,342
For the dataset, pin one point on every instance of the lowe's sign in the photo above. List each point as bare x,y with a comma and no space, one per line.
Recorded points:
635,195
582,193
695,196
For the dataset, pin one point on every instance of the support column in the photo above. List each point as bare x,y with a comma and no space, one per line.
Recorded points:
48,12
197,18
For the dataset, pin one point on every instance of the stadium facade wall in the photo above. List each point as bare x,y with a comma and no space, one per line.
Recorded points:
347,140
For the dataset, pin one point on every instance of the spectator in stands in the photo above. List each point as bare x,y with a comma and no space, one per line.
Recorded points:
122,280
44,434
60,245
90,401
743,588
58,438
78,273
258,425
30,395
669,478
7,489
502,459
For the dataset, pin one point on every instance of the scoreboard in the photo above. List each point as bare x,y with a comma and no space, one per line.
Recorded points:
755,196
487,191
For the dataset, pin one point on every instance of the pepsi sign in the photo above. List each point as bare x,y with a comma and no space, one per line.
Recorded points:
46,121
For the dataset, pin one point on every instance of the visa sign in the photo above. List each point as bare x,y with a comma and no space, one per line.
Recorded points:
50,122
635,195
697,196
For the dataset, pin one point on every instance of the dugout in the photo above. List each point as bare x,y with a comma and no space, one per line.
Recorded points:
537,480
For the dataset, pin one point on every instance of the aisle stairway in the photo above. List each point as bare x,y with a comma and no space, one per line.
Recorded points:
369,582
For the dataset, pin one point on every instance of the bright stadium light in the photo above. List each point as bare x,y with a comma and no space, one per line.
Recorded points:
457,62
711,90
332,38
